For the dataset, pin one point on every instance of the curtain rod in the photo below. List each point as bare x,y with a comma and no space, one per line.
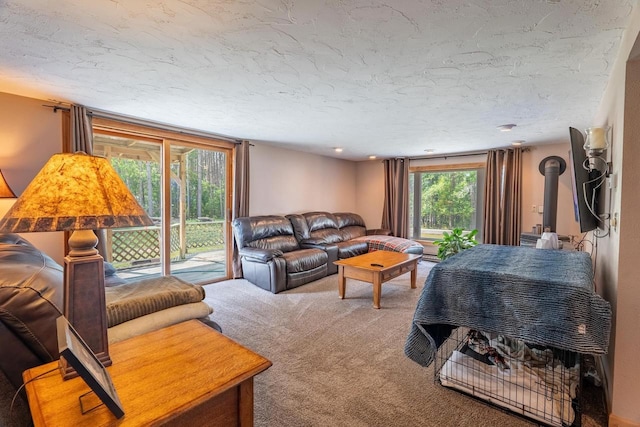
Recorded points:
472,153
142,122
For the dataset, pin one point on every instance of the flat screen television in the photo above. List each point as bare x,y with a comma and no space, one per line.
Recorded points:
580,178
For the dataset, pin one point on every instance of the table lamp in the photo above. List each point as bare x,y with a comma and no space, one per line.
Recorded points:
5,191
79,193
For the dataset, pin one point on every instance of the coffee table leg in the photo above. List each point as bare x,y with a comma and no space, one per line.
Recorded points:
414,273
377,288
341,282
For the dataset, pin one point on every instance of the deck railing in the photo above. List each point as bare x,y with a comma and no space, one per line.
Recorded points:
141,245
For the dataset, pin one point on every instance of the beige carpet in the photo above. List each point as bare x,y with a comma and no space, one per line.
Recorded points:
336,362
341,362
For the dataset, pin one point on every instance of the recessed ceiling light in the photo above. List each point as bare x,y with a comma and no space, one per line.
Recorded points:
429,150
506,128
517,143
338,150
372,157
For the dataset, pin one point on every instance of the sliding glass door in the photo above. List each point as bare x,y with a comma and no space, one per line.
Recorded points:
184,186
198,209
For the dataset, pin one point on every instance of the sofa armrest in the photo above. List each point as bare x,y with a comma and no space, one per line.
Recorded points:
379,232
259,255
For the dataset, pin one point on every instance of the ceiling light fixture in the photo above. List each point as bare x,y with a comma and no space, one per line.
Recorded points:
517,143
372,157
429,150
338,150
507,127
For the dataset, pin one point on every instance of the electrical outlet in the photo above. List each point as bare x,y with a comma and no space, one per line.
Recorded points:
540,209
533,208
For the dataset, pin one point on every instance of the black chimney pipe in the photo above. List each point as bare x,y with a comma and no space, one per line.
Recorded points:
551,167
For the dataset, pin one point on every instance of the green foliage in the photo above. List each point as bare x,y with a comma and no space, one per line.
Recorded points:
454,242
446,199
205,184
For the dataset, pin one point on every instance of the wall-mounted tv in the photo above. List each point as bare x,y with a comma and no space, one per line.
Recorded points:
581,179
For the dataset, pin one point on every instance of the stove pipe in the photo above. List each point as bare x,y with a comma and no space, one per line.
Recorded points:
551,167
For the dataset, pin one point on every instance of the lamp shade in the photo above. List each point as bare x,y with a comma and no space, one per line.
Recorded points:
74,192
5,190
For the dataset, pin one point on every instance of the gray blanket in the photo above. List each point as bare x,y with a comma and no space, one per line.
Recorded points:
541,296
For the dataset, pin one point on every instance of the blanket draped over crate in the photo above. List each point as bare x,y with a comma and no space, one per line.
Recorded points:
541,296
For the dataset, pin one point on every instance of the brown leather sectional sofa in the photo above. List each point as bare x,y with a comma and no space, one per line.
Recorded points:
283,252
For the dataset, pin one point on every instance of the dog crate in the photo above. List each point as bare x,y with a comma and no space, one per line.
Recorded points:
537,382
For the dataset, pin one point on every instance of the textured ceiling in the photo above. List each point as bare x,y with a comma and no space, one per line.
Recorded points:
390,78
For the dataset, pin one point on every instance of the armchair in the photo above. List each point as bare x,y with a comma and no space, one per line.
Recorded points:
31,298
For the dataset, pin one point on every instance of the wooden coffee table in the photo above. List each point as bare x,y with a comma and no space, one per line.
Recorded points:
376,268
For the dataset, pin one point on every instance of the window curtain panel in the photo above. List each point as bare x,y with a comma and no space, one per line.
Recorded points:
240,197
395,213
503,197
80,137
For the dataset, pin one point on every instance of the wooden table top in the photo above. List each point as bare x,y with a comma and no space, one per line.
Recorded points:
377,260
155,375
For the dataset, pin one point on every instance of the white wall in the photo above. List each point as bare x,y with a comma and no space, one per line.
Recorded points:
370,192
618,253
286,181
29,135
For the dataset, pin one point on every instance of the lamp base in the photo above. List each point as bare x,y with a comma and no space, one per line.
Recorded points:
85,306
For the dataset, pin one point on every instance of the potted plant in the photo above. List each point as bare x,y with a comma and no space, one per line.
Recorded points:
454,242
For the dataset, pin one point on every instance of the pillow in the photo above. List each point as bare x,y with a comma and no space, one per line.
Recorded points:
109,269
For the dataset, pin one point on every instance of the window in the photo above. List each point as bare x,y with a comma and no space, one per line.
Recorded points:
442,198
189,204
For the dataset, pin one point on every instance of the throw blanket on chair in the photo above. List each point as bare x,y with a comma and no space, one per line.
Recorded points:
133,300
541,296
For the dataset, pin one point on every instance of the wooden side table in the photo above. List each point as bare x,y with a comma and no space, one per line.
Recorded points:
186,374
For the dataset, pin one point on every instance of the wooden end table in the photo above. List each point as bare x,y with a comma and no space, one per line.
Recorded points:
186,374
376,268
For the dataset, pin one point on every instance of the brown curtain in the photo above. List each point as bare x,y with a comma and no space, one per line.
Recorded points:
81,130
79,137
395,213
240,196
503,197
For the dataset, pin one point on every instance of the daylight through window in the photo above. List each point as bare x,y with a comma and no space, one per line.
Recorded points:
444,199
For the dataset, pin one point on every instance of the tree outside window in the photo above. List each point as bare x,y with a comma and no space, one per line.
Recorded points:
441,200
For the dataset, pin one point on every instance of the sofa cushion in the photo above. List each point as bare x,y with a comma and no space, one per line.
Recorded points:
346,219
305,259
351,225
30,295
352,248
265,232
323,227
352,231
281,243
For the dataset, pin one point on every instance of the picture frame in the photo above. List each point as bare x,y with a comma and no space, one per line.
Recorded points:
80,356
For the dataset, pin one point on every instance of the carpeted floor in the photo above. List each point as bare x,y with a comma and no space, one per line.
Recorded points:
338,362
341,362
